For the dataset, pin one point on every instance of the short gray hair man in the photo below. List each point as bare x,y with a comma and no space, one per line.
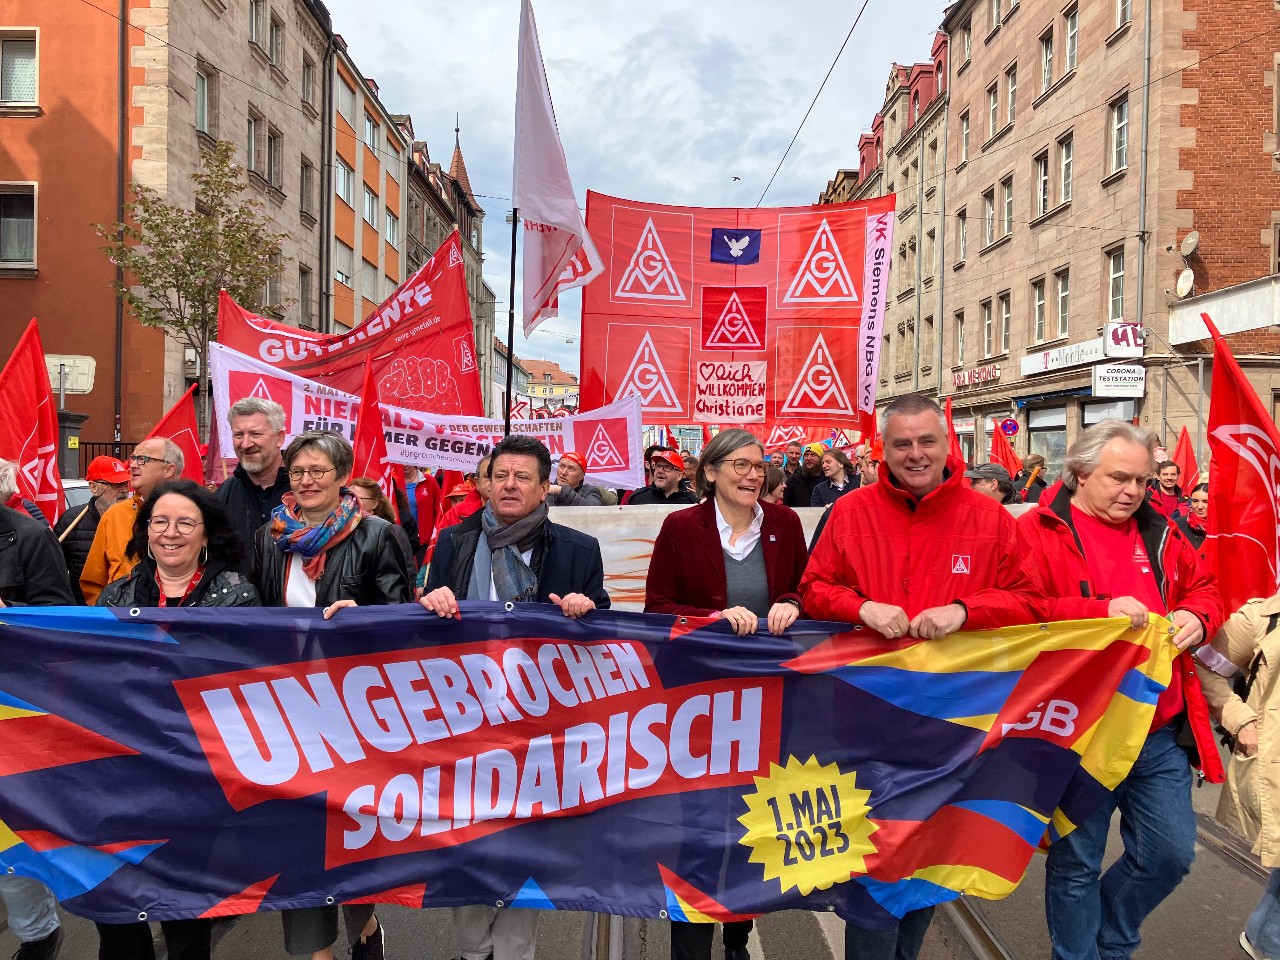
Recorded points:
248,406
1086,453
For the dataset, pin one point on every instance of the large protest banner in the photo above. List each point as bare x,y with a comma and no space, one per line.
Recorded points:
420,340
767,317
250,759
609,438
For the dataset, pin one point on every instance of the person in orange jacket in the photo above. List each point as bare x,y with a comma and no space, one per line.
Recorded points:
1101,549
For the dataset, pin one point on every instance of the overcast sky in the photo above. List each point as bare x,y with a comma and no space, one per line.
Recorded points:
664,101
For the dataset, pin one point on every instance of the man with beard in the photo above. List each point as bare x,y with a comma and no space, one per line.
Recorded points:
799,492
259,480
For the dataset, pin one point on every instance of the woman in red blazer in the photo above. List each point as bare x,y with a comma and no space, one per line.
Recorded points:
731,557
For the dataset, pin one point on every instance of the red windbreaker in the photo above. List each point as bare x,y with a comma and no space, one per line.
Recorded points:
953,544
1184,580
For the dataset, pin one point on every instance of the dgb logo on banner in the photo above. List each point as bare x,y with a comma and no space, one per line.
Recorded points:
249,383
603,443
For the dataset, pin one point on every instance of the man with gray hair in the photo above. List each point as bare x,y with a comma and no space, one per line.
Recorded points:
31,574
917,553
1101,550
153,461
260,480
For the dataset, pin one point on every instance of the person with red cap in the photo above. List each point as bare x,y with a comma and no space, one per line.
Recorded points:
668,471
571,488
109,484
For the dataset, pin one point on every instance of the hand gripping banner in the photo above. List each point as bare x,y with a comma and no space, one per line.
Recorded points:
763,318
247,759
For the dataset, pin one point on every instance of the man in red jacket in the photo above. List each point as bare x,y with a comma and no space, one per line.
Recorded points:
918,553
1103,551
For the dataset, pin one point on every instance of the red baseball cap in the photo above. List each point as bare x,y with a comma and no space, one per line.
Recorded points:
576,458
671,457
462,489
107,470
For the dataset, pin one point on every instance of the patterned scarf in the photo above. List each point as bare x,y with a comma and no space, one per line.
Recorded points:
292,534
513,579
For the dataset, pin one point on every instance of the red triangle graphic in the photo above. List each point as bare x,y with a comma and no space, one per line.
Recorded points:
410,895
247,900
47,741
685,625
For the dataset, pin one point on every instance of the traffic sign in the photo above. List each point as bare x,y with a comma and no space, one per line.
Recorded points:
1009,427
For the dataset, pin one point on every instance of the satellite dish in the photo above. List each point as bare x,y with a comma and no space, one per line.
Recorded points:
1190,243
1186,281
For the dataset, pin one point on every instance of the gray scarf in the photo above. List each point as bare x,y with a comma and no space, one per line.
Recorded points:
500,552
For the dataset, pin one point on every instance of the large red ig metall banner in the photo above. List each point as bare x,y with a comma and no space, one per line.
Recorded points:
752,317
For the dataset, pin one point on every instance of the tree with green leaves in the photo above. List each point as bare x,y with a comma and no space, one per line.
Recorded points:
175,260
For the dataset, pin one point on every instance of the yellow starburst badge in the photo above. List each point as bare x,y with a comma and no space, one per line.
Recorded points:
807,825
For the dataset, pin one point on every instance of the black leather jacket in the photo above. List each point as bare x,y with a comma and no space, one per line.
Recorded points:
219,588
76,544
32,570
368,567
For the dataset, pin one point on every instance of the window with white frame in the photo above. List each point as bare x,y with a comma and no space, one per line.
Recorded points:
308,80
995,13
307,187
1042,184
962,235
275,41
1124,12
393,160
964,137
344,179
989,216
257,20
275,157
306,295
988,332
1115,286
1005,312
347,102
392,233
1037,311
1007,190
1066,149
271,289
371,208
371,132
993,110
1011,87
966,42
17,225
344,263
202,99
960,337
1071,21
369,274
1062,281
1046,62
1119,113
18,69
255,142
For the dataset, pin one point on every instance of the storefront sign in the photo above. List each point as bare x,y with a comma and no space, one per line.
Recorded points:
1123,339
1072,355
1119,380
968,378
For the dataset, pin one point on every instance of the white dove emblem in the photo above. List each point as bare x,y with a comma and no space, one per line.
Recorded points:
737,246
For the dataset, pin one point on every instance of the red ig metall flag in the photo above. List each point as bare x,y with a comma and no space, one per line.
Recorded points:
370,446
1244,484
29,424
558,252
181,426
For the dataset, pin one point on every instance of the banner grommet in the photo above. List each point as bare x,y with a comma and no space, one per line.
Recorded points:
134,611
499,903
329,901
509,606
142,917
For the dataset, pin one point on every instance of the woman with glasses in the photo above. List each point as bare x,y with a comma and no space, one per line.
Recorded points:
188,555
735,558
321,550
375,503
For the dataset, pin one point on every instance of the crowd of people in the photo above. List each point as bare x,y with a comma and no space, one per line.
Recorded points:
913,543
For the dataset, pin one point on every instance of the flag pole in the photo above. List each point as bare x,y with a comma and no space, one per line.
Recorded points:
511,323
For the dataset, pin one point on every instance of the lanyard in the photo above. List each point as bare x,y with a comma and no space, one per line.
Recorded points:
195,582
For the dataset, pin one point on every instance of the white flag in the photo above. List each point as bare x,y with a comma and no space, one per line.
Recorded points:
558,252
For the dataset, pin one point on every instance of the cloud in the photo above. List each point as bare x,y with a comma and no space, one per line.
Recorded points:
664,101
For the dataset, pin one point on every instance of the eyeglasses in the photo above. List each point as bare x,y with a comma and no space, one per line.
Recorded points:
315,473
142,460
184,525
742,466
663,465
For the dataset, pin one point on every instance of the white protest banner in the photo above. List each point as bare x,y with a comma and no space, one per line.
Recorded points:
730,392
609,438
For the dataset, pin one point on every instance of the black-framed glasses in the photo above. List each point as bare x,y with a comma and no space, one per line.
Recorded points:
315,473
142,459
184,525
742,466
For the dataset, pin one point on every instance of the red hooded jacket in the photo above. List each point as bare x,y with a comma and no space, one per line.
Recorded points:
1184,581
953,544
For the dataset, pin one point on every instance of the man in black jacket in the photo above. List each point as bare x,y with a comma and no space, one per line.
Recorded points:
109,484
668,472
511,551
31,574
799,489
259,480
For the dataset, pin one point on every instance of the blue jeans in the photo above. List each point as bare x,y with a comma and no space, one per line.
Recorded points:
1094,917
1263,928
900,942
33,911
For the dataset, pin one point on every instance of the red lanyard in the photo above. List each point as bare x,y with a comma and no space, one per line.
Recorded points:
195,582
